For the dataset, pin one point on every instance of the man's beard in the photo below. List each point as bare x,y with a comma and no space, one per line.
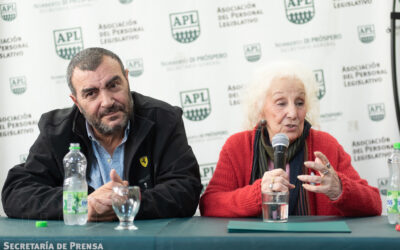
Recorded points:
104,129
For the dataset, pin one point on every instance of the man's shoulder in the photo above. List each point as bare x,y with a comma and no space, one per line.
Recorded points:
58,118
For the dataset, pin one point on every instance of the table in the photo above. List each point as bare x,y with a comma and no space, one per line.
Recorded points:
194,233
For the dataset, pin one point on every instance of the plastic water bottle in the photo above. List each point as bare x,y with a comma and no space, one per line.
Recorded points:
393,194
75,191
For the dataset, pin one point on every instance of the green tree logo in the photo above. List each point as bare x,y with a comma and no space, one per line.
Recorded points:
252,52
299,11
376,111
366,33
8,11
185,26
135,67
18,85
196,104
68,42
319,77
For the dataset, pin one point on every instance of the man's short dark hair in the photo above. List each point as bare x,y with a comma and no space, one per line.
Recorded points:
89,59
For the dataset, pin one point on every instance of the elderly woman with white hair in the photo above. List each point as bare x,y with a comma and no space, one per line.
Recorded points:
319,174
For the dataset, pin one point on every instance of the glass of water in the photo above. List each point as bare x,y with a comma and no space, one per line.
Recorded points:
126,203
275,206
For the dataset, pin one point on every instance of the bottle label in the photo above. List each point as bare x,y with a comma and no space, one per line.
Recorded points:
392,202
75,202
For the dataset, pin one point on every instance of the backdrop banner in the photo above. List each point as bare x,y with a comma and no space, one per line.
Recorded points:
200,55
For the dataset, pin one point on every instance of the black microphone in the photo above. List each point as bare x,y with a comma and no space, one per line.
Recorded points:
280,142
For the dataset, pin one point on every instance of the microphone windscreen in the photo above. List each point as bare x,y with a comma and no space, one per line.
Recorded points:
280,140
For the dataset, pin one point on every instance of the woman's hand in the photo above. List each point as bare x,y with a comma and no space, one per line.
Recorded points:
275,180
329,182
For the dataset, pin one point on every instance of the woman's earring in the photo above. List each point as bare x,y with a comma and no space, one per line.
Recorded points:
263,122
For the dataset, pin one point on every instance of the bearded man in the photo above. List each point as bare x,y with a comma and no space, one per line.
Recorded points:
128,139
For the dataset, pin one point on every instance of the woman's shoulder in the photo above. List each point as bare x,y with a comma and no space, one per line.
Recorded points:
322,139
239,147
242,138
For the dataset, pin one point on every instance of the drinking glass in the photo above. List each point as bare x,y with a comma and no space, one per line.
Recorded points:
126,203
275,206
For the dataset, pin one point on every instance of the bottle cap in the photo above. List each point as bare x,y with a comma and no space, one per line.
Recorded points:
41,223
74,146
396,145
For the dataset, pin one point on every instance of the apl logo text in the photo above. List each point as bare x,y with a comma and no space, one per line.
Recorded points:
376,111
196,104
185,26
366,33
206,172
68,42
252,52
135,67
299,11
8,11
18,85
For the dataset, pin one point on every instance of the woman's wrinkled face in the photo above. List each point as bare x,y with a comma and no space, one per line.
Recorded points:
285,108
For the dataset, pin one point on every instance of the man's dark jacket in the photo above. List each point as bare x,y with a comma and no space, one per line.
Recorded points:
170,182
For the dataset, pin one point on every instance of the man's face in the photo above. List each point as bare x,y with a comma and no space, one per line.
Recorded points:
103,96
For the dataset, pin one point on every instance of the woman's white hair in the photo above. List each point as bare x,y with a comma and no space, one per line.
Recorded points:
256,91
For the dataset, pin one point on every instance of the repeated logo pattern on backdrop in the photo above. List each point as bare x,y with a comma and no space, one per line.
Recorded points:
252,52
206,173
185,26
196,104
366,33
68,42
135,67
376,111
8,11
319,77
299,11
18,85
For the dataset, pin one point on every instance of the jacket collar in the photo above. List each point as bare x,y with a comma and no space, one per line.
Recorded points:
140,129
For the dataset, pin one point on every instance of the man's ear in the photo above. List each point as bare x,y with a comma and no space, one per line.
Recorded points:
73,98
127,74
127,78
